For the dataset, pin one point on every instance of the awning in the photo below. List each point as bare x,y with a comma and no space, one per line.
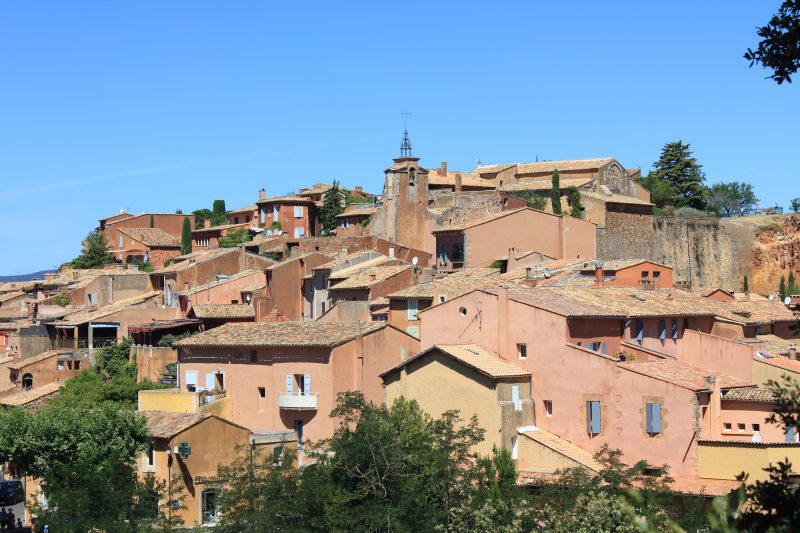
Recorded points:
159,325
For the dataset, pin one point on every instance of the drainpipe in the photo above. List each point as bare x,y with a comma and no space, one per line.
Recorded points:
502,322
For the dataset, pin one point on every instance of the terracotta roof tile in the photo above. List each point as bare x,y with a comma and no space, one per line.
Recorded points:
755,394
165,425
474,356
543,184
775,345
698,486
683,374
455,284
549,166
358,209
759,312
293,333
290,198
27,361
780,361
223,311
212,284
151,237
468,179
10,296
245,209
22,397
563,447
615,198
221,227
367,277
82,317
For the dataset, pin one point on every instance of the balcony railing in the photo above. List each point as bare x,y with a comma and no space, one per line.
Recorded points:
82,344
299,401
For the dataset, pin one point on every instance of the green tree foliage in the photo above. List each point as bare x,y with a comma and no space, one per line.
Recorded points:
186,236
385,468
62,299
745,285
677,178
200,217
331,206
576,209
532,198
795,206
152,222
234,238
791,287
219,215
144,266
555,193
94,253
779,48
732,199
782,287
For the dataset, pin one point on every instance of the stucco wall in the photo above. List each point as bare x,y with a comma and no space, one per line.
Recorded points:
726,461
151,361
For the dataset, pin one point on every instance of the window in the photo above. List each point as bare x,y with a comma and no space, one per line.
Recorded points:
727,426
740,428
685,324
262,213
59,365
548,407
76,365
593,425
645,274
298,211
240,355
235,220
412,177
674,330
639,330
298,232
151,455
412,308
462,311
604,347
275,212
27,381
656,275
262,392
756,428
522,351
662,329
443,253
253,356
413,331
514,448
298,428
515,398
653,418
209,505
458,251
345,223
441,298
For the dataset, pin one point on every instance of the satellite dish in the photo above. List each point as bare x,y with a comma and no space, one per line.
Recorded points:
414,260
787,300
547,273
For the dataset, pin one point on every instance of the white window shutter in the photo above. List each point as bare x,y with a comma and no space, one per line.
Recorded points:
289,383
307,384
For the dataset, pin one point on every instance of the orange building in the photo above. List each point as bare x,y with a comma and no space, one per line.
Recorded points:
286,375
293,214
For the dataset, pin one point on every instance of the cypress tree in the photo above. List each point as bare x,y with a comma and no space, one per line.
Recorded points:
745,286
219,215
555,194
782,288
331,206
152,222
575,202
791,287
186,236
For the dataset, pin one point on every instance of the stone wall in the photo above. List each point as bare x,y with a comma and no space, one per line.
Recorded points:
450,208
700,251
628,234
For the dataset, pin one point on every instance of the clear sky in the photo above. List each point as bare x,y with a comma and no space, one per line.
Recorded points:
154,106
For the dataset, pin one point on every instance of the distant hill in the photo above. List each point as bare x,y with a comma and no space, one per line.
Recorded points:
26,277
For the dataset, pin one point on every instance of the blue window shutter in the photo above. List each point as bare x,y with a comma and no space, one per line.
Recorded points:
648,412
656,417
662,329
289,383
790,433
593,417
674,330
604,347
639,330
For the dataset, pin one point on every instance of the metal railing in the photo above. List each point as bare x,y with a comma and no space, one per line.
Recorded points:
68,343
297,400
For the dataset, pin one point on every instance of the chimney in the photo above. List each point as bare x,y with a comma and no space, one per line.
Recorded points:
598,272
528,273
372,276
793,352
443,169
359,188
391,252
262,194
458,182
207,223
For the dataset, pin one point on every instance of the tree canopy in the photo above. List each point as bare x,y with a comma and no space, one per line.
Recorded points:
555,193
331,206
200,217
94,252
186,236
219,215
732,199
677,178
234,238
779,48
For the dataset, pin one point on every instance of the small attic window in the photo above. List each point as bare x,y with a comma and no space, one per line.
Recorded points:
462,311
412,177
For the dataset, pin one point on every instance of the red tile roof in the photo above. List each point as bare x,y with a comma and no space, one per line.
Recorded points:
683,374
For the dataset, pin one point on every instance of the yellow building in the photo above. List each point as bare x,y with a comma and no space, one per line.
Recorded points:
472,379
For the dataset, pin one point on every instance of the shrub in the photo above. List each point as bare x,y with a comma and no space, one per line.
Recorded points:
62,299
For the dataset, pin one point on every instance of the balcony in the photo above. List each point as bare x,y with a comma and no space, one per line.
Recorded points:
298,401
82,343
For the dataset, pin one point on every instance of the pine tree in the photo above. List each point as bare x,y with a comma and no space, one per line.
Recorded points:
576,209
94,252
219,215
745,286
186,236
782,287
152,222
331,206
678,178
555,193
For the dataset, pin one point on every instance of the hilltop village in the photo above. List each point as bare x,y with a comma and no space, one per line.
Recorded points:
533,295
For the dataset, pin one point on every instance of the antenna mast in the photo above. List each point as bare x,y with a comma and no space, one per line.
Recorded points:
405,147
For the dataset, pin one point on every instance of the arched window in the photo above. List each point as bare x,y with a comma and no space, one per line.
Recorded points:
27,381
412,177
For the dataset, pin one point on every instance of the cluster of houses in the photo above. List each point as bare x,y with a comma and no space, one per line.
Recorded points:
446,289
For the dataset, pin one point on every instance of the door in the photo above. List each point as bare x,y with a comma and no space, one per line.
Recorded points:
298,428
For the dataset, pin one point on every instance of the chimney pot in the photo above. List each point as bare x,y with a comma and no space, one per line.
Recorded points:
598,272
458,182
443,169
262,194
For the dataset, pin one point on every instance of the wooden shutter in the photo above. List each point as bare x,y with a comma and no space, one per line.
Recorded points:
656,417
413,308
662,329
790,433
674,330
593,417
639,330
307,384
289,383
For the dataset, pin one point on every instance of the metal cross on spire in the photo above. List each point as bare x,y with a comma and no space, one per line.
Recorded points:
405,147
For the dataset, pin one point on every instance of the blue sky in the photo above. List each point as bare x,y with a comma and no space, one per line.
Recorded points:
154,106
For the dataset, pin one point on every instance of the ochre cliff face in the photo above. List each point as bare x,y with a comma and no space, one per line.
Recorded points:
776,253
